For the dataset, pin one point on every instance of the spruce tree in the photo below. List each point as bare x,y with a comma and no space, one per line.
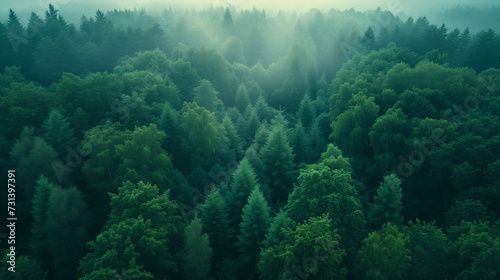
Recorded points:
198,258
278,158
58,134
215,222
300,143
253,229
306,112
241,99
279,224
244,181
38,244
387,203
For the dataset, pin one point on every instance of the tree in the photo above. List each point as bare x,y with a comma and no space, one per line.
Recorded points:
198,259
241,99
27,268
215,220
38,242
279,225
243,183
205,95
327,188
58,134
66,226
306,112
253,228
387,204
384,254
140,215
278,158
429,251
204,138
300,143
312,251
169,123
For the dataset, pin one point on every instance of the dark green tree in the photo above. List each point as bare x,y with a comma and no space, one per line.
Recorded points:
243,183
205,95
384,255
198,258
387,205
58,133
306,112
278,158
215,220
253,228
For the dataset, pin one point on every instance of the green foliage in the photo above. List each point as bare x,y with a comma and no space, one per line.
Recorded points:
300,143
140,215
278,158
58,134
198,259
206,96
241,99
215,220
429,251
243,183
311,250
306,112
279,224
387,204
26,268
384,254
204,138
253,228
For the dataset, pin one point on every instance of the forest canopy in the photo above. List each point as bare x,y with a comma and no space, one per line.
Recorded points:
250,144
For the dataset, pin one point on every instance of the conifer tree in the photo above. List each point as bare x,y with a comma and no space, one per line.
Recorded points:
244,182
215,222
58,134
306,112
279,224
253,228
253,123
278,158
198,258
241,99
387,203
300,143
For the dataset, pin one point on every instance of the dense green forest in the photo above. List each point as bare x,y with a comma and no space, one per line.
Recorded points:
250,144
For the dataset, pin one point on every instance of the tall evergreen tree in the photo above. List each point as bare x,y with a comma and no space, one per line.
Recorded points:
241,99
198,258
215,222
387,203
306,112
38,244
300,143
58,134
243,183
253,228
278,158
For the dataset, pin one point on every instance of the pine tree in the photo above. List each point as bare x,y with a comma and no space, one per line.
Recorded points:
279,224
278,158
244,181
253,229
306,112
253,124
241,99
234,140
198,258
300,143
58,134
387,203
215,222
169,123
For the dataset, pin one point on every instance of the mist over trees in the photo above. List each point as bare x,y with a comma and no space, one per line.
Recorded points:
251,144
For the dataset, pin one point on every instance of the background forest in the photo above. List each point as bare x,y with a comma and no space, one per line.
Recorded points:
226,144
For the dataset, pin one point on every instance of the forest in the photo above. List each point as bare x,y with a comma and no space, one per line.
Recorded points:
219,143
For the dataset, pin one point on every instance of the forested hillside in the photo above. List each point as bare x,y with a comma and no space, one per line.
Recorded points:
252,144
